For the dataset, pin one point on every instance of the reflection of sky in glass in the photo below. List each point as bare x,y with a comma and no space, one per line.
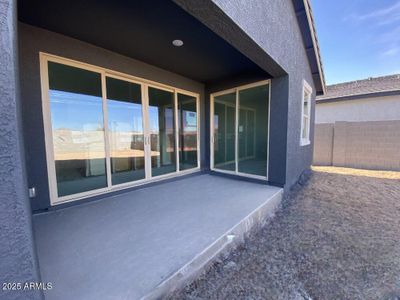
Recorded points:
75,111
84,112
125,116
154,119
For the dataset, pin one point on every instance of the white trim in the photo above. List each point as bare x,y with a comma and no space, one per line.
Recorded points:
197,99
146,132
124,186
51,168
236,132
269,127
176,125
107,149
306,89
198,131
212,137
144,84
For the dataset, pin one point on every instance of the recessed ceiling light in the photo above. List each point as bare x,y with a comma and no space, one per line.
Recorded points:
177,43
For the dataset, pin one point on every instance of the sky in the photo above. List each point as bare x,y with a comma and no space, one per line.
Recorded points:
358,38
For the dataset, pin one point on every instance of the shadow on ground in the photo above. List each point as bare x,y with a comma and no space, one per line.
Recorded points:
337,236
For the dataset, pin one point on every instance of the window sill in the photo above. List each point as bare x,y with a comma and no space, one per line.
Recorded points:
305,142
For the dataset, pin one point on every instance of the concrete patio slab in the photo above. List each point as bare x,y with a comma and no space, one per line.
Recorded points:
142,243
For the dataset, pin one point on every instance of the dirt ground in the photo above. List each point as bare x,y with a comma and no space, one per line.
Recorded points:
337,236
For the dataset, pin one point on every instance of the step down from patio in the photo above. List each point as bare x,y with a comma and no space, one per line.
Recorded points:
144,243
228,241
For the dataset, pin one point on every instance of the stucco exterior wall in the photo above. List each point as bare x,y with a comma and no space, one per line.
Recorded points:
273,25
32,40
359,110
18,262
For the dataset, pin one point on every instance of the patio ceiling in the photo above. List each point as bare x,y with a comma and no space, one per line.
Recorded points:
144,30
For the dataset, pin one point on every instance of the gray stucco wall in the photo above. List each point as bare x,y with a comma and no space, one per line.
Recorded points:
18,263
31,41
273,25
276,33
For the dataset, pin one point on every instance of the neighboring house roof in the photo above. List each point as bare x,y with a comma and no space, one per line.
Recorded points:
370,87
306,21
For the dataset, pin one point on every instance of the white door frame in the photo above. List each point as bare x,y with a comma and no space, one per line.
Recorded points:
236,90
44,58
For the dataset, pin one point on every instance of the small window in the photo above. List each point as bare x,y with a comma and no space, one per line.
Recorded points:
306,115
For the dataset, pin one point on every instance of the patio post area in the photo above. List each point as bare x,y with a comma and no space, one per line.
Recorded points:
146,242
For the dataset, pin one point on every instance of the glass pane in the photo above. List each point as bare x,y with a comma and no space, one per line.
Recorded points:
253,130
162,131
251,115
242,132
187,120
224,131
306,102
126,134
304,134
78,129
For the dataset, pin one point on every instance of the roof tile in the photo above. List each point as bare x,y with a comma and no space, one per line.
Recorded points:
362,87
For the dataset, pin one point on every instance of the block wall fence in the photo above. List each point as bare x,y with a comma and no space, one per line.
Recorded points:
364,145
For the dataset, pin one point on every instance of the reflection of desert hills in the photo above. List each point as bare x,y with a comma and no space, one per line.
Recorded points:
73,144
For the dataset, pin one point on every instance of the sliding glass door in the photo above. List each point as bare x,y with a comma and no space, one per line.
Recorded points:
106,130
76,111
126,130
188,128
162,131
239,130
224,131
253,130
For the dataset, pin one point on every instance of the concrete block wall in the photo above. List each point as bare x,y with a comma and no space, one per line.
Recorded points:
365,145
339,144
323,144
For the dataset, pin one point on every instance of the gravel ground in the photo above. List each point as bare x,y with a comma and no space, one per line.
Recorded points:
337,236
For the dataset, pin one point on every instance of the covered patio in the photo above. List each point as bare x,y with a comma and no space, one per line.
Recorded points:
145,242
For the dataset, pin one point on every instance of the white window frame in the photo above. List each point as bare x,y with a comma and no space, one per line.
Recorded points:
307,89
236,90
44,58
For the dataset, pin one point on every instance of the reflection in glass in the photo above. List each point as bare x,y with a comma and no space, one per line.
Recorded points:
162,131
187,120
306,111
224,131
253,130
125,123
77,126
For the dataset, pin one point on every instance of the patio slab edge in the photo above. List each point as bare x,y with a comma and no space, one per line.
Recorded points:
225,243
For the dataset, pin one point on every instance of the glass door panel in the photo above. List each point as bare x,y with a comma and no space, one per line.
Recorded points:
253,130
187,120
224,131
126,134
162,131
242,133
251,134
76,108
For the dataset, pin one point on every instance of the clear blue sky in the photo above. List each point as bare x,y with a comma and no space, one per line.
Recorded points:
358,38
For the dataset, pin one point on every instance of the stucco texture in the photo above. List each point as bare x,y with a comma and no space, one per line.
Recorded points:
278,34
17,256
